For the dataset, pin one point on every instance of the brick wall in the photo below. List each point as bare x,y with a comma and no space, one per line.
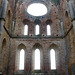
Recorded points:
45,44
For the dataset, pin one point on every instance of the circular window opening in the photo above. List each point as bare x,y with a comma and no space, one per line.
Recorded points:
37,9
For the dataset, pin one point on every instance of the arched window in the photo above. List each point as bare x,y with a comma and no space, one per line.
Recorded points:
21,62
52,57
37,59
37,30
26,30
48,30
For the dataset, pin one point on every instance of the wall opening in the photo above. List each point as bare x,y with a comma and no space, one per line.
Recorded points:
37,60
37,30
26,30
52,57
37,9
21,61
48,30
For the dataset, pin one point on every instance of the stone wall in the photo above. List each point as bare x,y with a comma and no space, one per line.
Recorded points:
64,46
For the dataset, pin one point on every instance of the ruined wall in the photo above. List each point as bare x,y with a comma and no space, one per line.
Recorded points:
64,50
23,18
5,41
45,61
69,39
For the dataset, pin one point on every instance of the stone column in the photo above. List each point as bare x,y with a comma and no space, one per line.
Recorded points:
62,29
74,29
1,28
3,8
2,15
72,9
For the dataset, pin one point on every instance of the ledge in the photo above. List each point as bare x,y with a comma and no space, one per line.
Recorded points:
37,36
52,72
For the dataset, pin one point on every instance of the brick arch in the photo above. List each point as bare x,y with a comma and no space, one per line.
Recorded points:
3,42
21,46
39,46
56,49
37,21
67,21
26,21
49,21
54,46
17,58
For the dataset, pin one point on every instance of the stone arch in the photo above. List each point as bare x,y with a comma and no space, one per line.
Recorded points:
54,46
3,45
56,49
35,46
26,21
48,22
48,27
67,21
3,42
19,48
37,21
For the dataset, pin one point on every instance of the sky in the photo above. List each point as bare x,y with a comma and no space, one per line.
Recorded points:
37,9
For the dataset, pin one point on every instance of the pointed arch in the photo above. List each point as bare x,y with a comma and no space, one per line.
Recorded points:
37,54
53,56
21,60
67,21
4,43
20,57
53,61
21,46
53,46
37,59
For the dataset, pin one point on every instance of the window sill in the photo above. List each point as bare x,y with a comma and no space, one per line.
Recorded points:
37,71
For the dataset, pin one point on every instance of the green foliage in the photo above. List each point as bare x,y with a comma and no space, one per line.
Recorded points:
37,71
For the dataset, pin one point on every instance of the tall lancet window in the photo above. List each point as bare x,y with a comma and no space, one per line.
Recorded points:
26,30
37,30
48,30
21,62
52,57
37,60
